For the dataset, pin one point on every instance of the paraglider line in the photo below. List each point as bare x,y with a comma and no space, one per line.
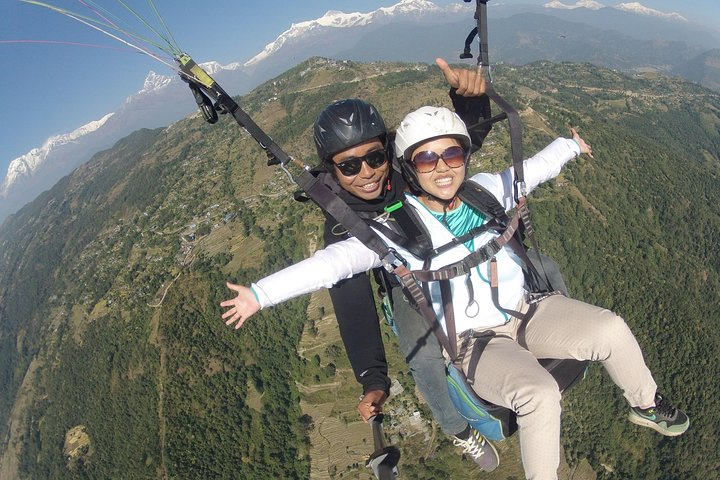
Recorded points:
92,22
89,24
175,49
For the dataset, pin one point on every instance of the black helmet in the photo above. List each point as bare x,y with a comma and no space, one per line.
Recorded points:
344,124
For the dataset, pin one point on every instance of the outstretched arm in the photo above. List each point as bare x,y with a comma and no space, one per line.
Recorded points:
324,269
539,168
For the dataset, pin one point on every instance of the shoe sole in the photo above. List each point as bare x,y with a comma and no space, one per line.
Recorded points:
650,424
492,447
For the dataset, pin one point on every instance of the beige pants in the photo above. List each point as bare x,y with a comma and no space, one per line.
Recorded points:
509,374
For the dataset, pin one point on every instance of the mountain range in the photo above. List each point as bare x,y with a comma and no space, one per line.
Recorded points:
627,36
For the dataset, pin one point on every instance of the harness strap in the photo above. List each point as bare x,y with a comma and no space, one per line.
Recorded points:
413,291
515,140
472,233
461,267
479,198
398,238
481,342
512,115
449,311
479,256
349,219
412,237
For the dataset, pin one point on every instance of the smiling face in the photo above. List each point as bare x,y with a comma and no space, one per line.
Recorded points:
443,182
369,182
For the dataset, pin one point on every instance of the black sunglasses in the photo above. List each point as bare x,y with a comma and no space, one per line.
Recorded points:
426,161
352,165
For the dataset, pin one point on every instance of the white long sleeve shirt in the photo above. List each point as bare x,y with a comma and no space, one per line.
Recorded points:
344,259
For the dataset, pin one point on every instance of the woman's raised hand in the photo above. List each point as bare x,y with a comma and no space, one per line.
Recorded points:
584,147
240,308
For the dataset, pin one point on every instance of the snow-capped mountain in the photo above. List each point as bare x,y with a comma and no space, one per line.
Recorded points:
637,7
589,4
390,34
633,7
161,101
31,162
155,82
336,19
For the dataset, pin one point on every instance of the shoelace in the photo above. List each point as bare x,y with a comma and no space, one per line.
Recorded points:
472,445
664,407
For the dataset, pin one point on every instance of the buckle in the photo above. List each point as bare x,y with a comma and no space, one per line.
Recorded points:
392,260
382,218
537,297
489,250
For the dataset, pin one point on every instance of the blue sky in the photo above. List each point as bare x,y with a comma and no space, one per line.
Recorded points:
50,89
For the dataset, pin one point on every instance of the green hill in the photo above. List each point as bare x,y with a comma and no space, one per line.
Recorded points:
114,362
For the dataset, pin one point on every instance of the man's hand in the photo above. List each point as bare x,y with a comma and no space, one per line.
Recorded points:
371,404
469,83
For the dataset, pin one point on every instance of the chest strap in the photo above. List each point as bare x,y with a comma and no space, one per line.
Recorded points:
479,256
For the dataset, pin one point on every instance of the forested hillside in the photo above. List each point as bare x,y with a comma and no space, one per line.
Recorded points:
114,362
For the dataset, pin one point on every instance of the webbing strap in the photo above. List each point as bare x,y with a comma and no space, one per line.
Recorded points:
479,198
481,342
494,292
449,315
340,211
481,17
479,256
461,267
515,128
412,238
195,75
512,115
413,291
472,233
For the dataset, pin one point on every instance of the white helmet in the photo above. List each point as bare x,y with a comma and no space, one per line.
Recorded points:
427,123
422,125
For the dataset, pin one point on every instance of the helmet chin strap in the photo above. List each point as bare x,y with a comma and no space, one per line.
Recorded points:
446,204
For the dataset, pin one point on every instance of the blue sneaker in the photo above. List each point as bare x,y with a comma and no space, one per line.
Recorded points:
663,417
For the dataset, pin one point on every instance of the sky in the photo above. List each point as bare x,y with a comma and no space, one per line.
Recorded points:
50,88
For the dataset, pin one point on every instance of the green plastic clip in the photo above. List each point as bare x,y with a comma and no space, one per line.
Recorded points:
393,206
